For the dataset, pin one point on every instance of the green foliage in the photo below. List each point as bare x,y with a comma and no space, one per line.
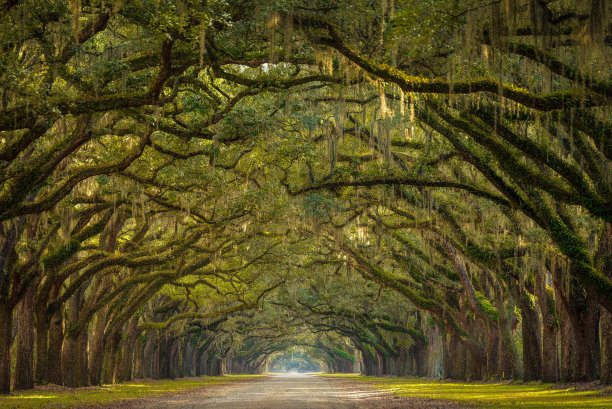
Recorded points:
486,307
317,206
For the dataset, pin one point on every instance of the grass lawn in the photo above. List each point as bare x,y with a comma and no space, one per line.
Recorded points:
58,397
495,395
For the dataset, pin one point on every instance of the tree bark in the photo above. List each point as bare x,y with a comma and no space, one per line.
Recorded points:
149,356
110,354
97,348
54,351
81,364
550,329
580,349
604,263
24,367
42,336
70,349
188,357
128,346
138,372
508,363
6,328
588,341
492,350
568,368
532,355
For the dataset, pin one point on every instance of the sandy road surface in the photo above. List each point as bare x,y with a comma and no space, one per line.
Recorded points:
288,391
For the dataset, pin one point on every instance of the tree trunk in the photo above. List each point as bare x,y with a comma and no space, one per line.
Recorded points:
6,328
148,356
97,348
118,358
508,362
455,359
42,335
197,359
550,329
164,351
604,263
70,350
188,357
532,356
69,357
580,350
568,367
128,346
156,358
24,367
109,360
588,341
138,372
447,356
492,349
81,364
606,348
54,351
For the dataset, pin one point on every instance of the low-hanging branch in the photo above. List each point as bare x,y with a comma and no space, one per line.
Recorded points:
403,181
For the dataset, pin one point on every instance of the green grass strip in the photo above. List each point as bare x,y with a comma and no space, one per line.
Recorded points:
60,397
494,395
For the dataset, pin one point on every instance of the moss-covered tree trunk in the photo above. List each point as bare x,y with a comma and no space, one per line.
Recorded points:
42,337
492,349
455,358
174,359
532,341
24,366
188,357
156,359
402,362
606,348
54,350
81,359
119,358
148,356
579,313
71,347
569,357
70,351
128,347
508,363
6,327
111,348
369,362
96,356
604,262
476,357
138,371
588,341
550,329
197,360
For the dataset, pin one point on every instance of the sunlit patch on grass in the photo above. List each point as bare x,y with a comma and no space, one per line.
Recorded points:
68,398
30,397
493,395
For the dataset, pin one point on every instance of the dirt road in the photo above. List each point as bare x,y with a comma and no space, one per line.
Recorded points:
289,391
